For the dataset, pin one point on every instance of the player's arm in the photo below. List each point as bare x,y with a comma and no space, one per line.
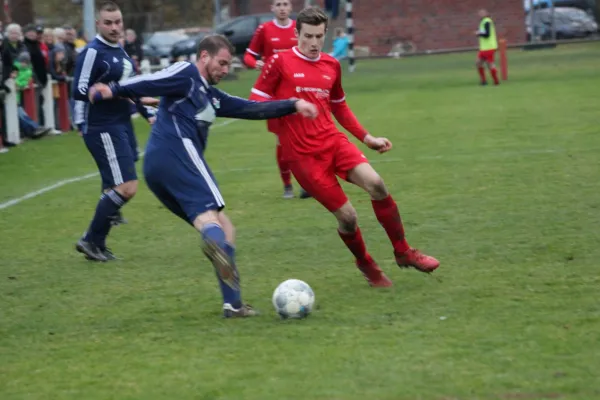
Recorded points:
85,73
142,109
255,49
342,112
175,80
236,107
485,32
344,115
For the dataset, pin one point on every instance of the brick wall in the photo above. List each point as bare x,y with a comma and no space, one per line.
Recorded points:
430,24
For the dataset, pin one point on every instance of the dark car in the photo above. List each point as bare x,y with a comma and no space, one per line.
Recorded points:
569,23
159,44
239,31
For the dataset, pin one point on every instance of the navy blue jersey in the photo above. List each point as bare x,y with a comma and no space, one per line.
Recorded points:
101,62
189,105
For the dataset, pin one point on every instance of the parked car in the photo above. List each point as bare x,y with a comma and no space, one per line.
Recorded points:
585,5
569,23
159,44
239,31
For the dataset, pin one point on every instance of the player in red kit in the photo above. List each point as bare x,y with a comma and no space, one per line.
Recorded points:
271,38
318,151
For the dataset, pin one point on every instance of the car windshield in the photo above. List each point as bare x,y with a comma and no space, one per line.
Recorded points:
160,39
573,14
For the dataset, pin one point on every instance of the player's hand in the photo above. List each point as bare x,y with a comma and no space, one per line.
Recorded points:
99,91
306,109
381,145
149,101
151,120
260,64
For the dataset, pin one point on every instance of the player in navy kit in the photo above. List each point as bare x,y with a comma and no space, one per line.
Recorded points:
107,129
174,165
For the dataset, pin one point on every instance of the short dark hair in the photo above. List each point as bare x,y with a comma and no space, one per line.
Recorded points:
108,6
213,43
311,16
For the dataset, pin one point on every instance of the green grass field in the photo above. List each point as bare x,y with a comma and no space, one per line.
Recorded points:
499,183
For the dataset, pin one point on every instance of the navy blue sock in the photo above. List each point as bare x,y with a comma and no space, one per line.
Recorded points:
215,233
110,202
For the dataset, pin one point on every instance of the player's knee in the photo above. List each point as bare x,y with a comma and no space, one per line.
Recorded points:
127,189
376,188
347,218
207,217
228,227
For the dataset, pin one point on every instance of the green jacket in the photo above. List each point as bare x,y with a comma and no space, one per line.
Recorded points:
24,75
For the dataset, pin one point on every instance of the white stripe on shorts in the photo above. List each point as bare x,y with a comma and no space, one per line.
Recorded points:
193,153
111,156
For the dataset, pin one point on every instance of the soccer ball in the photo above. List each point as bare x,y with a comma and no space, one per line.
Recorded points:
293,299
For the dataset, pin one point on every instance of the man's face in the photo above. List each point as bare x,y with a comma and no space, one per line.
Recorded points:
130,37
14,35
48,37
282,9
31,35
482,13
310,39
216,67
110,25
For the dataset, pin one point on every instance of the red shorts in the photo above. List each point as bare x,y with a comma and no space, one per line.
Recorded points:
487,56
317,173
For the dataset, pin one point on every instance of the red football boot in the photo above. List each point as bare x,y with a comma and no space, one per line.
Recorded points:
373,274
414,258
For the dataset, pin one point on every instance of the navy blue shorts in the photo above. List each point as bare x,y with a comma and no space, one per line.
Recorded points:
113,152
133,141
177,174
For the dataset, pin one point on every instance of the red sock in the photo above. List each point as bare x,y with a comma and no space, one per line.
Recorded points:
284,168
494,73
481,74
355,243
388,216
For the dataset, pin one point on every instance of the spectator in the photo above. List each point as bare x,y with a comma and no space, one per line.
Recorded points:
12,47
80,42
59,74
71,53
48,38
43,46
38,64
28,127
340,44
38,61
70,57
133,48
59,35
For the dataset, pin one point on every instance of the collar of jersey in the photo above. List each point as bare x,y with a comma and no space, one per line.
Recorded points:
283,26
100,38
302,56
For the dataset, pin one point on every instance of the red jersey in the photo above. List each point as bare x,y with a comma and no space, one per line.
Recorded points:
318,81
270,38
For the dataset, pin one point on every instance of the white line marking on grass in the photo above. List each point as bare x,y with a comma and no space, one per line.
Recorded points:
64,182
58,184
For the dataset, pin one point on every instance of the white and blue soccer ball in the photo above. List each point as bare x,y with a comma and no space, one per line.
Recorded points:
293,299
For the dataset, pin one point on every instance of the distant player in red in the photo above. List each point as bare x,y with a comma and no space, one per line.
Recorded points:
271,38
318,151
